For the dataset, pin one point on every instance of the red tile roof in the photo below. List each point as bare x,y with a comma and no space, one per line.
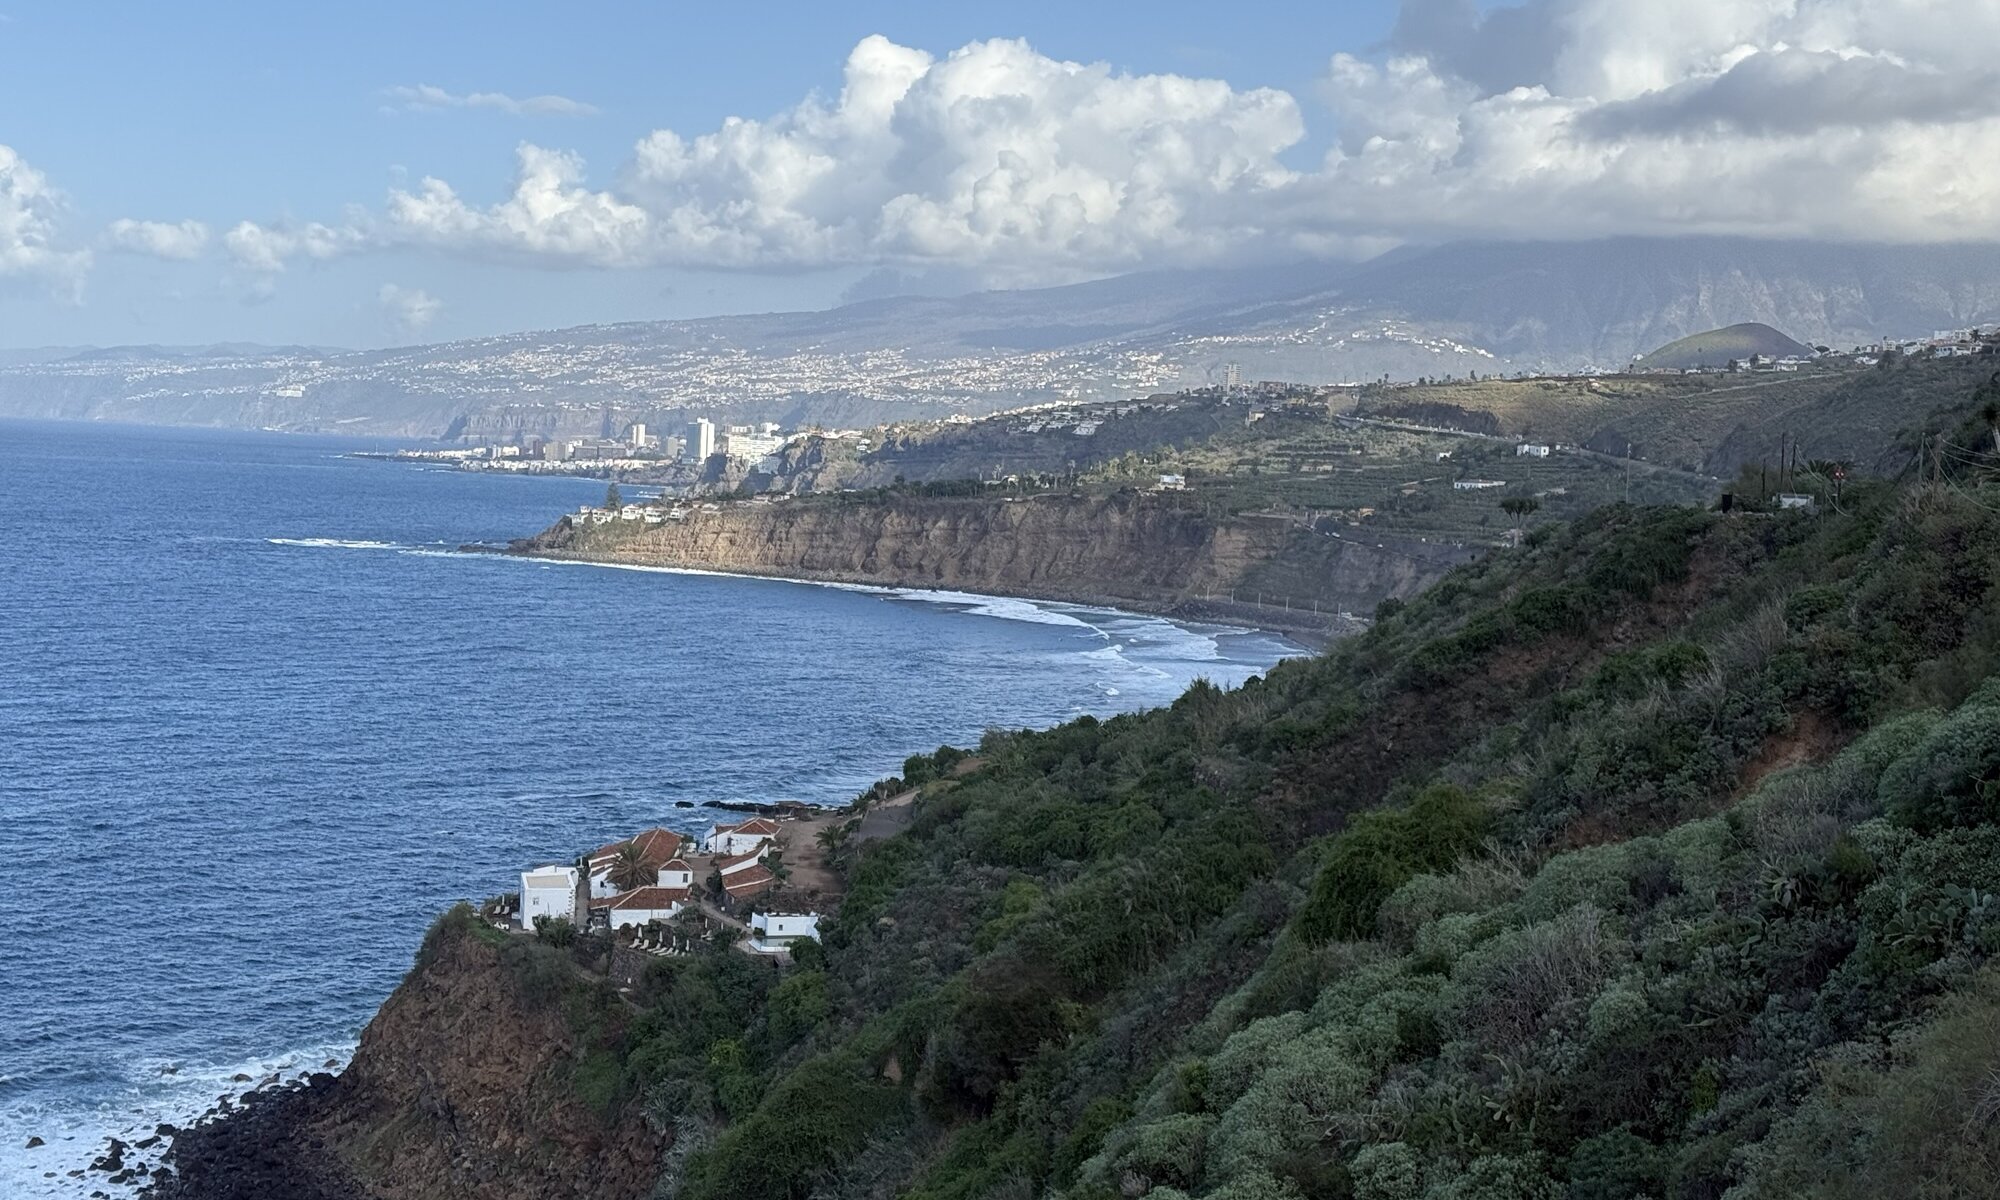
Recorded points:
734,862
756,825
656,845
646,899
748,883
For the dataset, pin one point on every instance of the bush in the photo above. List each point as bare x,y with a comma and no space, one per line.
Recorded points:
1952,777
1381,851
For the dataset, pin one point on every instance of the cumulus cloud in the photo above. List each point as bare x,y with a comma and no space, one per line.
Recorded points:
268,248
1856,119
410,310
161,239
29,208
993,155
424,97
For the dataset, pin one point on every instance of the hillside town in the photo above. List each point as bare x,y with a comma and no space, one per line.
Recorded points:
662,892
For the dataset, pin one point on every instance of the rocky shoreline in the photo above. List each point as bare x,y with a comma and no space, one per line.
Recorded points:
256,1149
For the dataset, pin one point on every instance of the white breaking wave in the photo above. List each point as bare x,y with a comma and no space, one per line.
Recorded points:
1004,608
334,543
156,1091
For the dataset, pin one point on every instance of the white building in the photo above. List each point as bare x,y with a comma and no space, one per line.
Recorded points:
775,931
675,873
731,840
1796,500
553,891
1531,450
1476,485
749,445
643,905
700,439
1173,483
639,438
656,846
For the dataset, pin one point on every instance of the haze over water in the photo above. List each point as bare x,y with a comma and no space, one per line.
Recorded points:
259,724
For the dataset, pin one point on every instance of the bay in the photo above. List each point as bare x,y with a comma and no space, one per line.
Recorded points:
260,722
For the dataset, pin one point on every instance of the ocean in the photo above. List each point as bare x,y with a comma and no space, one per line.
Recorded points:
260,722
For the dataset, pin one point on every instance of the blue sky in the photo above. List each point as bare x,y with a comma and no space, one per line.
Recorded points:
268,163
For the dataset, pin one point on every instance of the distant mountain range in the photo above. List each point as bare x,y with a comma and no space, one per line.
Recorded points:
1486,307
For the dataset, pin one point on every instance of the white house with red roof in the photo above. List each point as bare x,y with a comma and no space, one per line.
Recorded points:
676,873
642,905
657,846
739,838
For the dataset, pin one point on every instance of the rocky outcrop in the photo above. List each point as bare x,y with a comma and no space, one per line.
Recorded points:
464,1086
1158,552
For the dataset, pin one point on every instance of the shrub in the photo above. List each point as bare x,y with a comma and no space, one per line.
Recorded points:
1952,777
1513,986
1615,1165
1386,1171
1381,851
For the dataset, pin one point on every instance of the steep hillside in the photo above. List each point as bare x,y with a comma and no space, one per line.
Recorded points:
482,1078
1654,857
1717,348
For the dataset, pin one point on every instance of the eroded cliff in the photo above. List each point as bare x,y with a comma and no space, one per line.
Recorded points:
474,1082
1130,549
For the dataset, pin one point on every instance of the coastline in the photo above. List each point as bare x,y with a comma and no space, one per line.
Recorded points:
1311,631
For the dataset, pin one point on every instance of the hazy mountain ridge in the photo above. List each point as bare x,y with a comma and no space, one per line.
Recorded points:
1486,307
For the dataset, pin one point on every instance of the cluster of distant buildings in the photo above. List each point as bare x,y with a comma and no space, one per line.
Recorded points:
649,879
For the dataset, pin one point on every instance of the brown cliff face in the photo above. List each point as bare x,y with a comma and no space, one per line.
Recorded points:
465,1087
1129,550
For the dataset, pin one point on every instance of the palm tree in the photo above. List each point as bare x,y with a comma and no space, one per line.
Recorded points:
631,869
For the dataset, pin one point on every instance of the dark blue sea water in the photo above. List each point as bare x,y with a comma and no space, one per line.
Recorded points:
259,723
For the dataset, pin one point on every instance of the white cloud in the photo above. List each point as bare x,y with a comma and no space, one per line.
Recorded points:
411,310
29,208
994,156
1857,119
267,248
424,97
1852,119
161,239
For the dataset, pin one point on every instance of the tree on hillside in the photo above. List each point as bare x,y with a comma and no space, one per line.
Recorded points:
611,497
1519,506
631,870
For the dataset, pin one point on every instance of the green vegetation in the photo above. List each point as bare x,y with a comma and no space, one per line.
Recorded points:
1715,348
1656,856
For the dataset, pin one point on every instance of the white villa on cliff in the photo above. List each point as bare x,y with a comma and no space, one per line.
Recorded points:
730,840
657,846
642,905
553,891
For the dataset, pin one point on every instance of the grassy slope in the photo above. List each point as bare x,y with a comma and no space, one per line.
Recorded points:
1715,347
1712,423
1652,858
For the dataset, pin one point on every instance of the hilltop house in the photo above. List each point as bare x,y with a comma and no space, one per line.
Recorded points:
657,846
771,932
1531,450
553,891
740,838
675,873
642,905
